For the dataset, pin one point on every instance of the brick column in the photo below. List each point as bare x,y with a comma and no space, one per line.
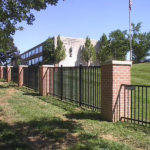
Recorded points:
46,80
20,75
1,72
113,75
9,73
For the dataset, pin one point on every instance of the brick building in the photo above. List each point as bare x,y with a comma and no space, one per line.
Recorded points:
73,52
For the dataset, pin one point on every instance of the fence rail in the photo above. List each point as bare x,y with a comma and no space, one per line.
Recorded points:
80,85
140,104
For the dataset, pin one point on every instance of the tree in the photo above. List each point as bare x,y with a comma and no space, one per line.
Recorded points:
48,51
103,52
12,54
16,11
88,52
140,43
51,54
59,52
119,44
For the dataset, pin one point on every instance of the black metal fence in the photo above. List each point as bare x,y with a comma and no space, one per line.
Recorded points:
79,85
14,74
31,77
5,73
138,98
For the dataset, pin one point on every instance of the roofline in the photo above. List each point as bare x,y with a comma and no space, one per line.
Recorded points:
32,48
56,37
77,38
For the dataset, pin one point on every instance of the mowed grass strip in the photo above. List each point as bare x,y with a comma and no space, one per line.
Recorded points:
29,121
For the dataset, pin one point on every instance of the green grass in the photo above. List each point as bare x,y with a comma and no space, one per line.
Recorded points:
141,74
35,122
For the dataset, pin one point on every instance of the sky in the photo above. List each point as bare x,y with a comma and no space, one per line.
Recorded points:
82,18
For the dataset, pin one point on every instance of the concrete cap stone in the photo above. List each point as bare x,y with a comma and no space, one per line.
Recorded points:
117,62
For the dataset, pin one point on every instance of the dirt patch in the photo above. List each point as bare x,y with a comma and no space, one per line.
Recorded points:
110,138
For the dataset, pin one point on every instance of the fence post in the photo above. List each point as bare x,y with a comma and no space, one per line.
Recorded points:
9,73
114,75
21,75
46,86
80,84
1,72
61,82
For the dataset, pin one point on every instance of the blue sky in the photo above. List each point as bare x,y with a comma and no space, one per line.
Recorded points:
81,18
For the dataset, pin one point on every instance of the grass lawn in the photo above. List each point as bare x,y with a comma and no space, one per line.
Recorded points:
28,121
141,74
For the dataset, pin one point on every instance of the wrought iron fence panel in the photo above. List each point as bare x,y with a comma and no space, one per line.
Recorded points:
5,73
14,74
139,101
31,77
79,85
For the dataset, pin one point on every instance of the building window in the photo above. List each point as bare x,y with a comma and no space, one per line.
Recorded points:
36,51
70,52
29,53
40,58
36,60
40,49
32,61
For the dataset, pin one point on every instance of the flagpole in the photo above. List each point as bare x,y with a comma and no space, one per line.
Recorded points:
130,32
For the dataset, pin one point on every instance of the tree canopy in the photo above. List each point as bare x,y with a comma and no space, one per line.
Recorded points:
141,43
59,52
11,54
103,52
16,11
119,44
51,54
88,51
48,51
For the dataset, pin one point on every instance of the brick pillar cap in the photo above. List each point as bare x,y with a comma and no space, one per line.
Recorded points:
10,66
45,66
23,65
116,62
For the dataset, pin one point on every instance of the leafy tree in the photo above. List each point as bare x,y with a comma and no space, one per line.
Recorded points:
119,44
103,52
51,54
59,52
48,51
140,43
88,51
15,11
11,54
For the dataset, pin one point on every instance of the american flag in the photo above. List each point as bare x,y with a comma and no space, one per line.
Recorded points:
130,5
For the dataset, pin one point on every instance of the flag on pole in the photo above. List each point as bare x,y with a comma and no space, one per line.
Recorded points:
130,5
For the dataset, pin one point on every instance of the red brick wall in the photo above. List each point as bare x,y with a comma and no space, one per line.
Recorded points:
1,72
46,80
113,95
8,74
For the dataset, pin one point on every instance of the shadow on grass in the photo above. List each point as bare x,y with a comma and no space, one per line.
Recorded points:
31,94
51,133
84,115
38,134
8,85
